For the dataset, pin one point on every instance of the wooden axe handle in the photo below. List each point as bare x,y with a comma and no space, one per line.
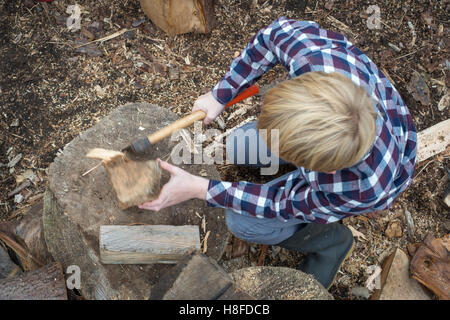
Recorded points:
177,125
196,116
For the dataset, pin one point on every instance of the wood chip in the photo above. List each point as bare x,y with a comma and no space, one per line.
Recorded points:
357,234
374,280
205,242
394,229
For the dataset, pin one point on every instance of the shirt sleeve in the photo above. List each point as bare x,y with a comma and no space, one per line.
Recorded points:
293,199
265,50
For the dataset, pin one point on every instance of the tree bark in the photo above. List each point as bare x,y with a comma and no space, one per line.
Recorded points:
431,265
46,283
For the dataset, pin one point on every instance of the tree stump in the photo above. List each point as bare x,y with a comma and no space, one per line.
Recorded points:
76,206
279,283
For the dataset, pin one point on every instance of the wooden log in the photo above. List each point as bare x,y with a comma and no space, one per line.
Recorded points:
197,277
396,284
46,283
29,232
431,265
279,283
181,16
433,140
8,268
26,238
147,244
76,206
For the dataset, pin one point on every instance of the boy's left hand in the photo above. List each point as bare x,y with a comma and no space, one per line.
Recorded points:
182,186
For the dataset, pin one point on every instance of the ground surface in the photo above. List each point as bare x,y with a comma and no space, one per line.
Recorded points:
50,91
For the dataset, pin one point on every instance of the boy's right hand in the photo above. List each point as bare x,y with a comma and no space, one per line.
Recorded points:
208,104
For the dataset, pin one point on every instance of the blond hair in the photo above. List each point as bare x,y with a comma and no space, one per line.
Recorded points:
325,121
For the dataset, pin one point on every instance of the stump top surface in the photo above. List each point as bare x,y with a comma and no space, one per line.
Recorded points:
279,283
89,202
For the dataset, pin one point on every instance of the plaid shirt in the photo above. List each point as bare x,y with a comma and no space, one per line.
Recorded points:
373,183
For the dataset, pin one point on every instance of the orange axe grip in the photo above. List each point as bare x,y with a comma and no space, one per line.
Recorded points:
251,91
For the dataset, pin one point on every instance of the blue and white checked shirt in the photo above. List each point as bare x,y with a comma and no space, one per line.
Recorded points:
370,185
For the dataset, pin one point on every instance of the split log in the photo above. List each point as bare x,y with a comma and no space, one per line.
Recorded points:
75,206
279,283
26,237
197,277
431,265
433,140
29,232
147,244
46,283
181,16
8,268
396,284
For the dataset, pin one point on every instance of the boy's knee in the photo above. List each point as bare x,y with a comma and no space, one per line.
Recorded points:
251,230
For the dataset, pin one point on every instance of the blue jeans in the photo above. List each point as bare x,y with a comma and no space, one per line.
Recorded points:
244,147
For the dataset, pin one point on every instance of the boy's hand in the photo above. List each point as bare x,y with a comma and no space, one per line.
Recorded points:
209,105
182,186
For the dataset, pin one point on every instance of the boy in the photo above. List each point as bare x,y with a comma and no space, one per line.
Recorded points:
338,119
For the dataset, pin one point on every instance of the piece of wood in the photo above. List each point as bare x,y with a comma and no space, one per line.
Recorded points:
104,154
133,182
29,232
181,16
46,283
8,268
27,260
279,283
431,265
197,277
433,140
25,238
396,284
76,206
147,244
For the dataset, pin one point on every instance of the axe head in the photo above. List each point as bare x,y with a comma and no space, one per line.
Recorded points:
138,148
